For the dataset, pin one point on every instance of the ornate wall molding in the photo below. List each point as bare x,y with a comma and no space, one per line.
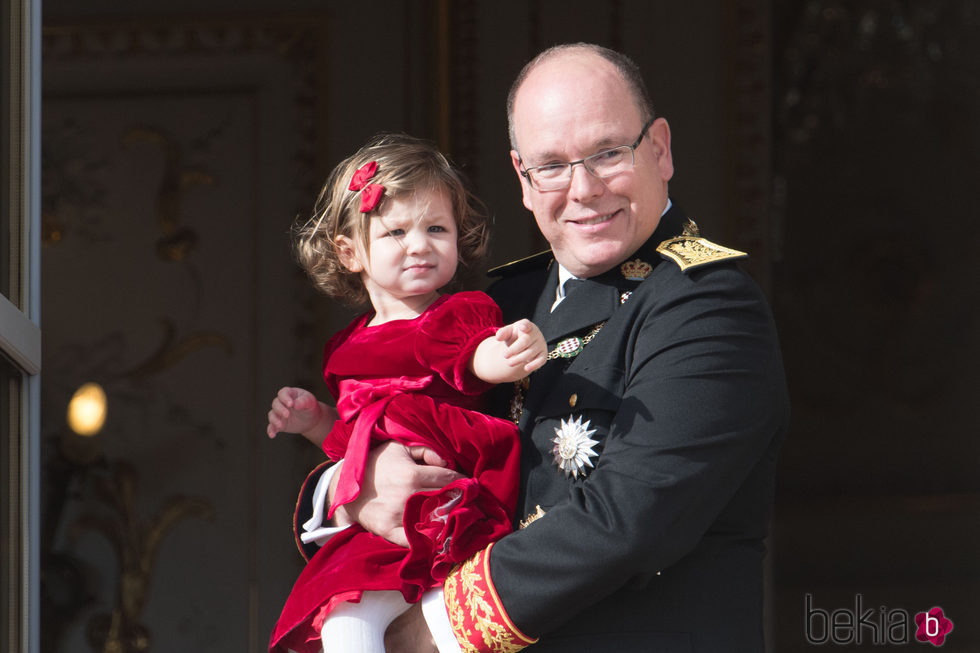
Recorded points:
749,227
179,151
295,39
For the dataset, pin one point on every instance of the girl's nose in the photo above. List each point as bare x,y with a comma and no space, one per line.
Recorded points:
417,242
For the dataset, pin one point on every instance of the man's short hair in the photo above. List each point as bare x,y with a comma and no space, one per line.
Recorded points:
626,67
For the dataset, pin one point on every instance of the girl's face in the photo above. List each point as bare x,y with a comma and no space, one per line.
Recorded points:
411,254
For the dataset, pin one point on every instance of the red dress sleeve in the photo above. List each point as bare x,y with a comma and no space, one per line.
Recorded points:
450,333
335,444
335,341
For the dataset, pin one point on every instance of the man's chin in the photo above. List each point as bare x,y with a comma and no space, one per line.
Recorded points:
593,260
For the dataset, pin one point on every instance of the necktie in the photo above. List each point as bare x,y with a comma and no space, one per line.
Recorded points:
572,285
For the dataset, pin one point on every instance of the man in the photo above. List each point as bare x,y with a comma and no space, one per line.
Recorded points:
650,437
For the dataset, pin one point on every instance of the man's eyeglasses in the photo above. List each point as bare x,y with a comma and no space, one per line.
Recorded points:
604,164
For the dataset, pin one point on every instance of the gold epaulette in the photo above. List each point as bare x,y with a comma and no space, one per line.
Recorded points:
520,265
692,251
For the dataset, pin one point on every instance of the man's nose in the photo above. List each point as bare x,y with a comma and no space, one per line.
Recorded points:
584,185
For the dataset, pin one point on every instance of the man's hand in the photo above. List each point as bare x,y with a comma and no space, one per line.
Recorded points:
409,633
393,473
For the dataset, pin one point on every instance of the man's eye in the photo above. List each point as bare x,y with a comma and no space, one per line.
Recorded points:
552,170
607,156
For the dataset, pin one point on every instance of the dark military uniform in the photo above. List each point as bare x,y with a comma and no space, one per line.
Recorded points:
651,453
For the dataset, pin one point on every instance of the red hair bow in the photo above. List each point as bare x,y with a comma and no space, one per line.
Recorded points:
362,175
370,197
370,193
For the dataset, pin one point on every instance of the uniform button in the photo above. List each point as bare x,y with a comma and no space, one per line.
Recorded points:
573,400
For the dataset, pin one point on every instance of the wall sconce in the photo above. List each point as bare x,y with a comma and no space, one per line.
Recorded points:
87,409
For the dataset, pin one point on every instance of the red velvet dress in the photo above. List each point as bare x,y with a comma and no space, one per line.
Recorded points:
408,380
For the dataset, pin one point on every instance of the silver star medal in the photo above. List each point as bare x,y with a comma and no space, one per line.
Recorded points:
573,447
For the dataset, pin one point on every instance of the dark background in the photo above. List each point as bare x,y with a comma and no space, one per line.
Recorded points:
837,142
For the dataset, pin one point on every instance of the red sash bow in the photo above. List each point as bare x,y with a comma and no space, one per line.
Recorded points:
364,403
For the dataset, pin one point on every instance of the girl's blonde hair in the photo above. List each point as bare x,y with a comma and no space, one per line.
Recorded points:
405,165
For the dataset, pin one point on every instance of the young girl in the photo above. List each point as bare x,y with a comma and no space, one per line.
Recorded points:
391,226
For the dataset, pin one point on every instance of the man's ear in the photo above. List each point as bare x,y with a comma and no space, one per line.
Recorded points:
660,139
347,253
526,189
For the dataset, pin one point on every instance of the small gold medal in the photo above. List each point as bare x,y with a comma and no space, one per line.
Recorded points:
517,401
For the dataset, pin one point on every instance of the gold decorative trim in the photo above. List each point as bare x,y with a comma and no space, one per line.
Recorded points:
532,517
494,271
636,270
691,252
475,612
572,347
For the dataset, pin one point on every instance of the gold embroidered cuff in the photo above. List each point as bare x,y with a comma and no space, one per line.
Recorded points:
478,618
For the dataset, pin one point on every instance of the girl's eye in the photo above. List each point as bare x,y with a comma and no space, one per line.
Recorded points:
396,232
437,228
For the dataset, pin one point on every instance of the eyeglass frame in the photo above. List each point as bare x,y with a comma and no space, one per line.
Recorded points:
526,172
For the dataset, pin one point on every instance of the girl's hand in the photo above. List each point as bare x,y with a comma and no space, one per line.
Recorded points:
295,410
526,345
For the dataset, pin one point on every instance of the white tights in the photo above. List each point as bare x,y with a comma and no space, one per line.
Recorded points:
360,627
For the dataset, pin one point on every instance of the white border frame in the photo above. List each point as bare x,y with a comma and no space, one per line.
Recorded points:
20,332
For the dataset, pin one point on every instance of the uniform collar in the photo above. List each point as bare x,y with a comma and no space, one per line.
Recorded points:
600,295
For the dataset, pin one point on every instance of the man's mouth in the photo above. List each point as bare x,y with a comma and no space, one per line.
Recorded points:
594,220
